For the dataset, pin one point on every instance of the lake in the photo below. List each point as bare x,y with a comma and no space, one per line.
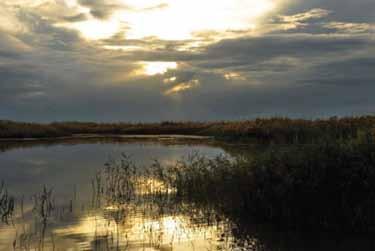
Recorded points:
57,206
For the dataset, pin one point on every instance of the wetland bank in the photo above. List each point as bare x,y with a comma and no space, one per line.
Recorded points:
286,190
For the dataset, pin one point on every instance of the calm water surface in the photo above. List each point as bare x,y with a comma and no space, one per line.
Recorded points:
70,217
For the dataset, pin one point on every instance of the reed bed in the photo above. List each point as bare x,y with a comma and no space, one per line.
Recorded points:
327,186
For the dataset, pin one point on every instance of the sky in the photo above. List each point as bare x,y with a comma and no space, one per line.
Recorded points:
157,60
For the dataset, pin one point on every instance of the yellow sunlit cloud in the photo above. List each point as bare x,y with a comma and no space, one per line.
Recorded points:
169,80
234,76
183,87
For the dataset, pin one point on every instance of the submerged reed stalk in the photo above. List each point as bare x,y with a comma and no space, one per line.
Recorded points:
6,204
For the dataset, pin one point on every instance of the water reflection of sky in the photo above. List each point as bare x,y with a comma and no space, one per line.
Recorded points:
69,167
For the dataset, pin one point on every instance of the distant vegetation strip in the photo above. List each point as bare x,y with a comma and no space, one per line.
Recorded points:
282,130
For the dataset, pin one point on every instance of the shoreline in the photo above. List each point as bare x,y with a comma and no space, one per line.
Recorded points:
118,136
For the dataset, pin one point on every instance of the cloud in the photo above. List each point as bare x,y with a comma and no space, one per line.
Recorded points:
342,10
305,16
257,53
101,9
342,27
355,72
299,20
10,46
18,81
311,59
75,18
9,22
157,7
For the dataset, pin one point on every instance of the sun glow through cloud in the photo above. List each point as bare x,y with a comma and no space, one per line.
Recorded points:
96,29
176,19
154,68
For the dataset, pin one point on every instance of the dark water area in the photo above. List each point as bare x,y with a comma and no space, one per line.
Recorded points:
57,206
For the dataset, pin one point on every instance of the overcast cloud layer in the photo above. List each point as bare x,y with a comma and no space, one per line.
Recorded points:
118,60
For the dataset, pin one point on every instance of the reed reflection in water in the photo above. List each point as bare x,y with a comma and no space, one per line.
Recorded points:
74,214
